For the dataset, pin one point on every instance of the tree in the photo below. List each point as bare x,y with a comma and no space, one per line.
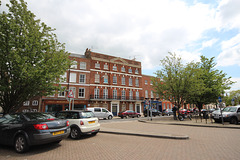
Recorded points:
213,83
175,81
32,59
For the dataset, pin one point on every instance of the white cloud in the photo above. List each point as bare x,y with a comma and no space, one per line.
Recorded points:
209,43
230,54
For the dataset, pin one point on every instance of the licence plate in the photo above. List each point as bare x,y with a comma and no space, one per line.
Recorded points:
59,132
90,122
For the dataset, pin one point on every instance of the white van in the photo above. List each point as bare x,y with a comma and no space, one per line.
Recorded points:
101,112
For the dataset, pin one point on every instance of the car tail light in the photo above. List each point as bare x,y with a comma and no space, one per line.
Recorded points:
68,124
81,123
41,126
50,119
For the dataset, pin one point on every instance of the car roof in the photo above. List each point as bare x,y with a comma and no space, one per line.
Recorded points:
74,111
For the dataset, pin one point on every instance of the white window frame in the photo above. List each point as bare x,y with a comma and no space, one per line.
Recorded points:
74,91
123,94
137,95
83,65
96,93
97,65
130,94
82,89
114,79
136,71
123,69
74,65
136,82
123,81
114,94
130,70
97,77
146,93
63,78
105,93
114,68
105,66
105,79
62,92
152,95
130,81
26,103
82,78
73,77
146,82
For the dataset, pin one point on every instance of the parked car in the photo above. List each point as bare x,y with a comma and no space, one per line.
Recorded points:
23,130
129,113
167,112
155,112
81,122
101,112
184,111
230,114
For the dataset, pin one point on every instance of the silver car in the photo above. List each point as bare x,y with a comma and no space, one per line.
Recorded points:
230,114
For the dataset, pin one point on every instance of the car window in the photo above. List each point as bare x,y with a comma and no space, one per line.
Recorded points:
104,110
13,118
97,109
87,114
230,109
62,115
34,116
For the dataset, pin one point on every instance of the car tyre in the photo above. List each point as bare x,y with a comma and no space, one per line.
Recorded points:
75,133
233,120
21,144
110,117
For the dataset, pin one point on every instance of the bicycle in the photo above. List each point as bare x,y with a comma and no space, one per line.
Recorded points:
185,115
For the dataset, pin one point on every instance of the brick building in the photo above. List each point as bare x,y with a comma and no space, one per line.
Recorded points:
100,80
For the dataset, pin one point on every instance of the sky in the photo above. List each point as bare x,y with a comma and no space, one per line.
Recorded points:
148,29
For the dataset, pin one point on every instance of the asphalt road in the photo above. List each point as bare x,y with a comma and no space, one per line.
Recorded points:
203,144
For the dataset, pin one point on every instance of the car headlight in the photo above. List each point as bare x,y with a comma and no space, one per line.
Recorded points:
225,115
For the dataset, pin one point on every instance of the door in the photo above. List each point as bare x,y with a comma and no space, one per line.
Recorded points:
114,109
138,109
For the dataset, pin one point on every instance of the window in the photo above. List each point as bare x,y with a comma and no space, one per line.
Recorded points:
123,80
81,92
137,82
129,70
136,71
97,65
73,90
35,102
130,81
146,93
105,79
152,96
26,103
137,95
97,76
74,65
97,109
114,68
123,69
130,95
124,107
73,77
105,66
83,65
151,83
130,106
63,78
82,78
123,94
114,79
62,92
114,94
146,82
105,93
96,93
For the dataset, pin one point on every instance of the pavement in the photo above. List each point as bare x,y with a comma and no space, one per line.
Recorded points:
195,122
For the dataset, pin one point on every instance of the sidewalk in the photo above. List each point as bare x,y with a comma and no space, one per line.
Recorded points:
105,128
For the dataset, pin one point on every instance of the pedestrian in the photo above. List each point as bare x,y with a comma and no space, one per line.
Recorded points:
174,109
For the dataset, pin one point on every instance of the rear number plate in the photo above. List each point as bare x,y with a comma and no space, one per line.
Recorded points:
59,132
90,122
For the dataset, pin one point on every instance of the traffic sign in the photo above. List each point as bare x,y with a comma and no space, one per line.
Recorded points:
70,94
219,99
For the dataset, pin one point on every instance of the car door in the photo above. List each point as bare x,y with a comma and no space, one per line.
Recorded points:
97,112
238,114
104,113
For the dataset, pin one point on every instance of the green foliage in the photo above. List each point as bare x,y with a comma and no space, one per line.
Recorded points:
232,95
175,81
32,59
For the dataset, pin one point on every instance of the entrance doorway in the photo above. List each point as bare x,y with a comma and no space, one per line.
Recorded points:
114,109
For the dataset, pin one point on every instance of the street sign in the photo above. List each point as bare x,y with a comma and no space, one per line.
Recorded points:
233,101
70,94
219,99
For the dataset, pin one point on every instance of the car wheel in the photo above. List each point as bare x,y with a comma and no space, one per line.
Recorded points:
110,117
233,120
21,144
75,133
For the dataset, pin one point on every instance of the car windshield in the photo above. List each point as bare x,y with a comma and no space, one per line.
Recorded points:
8,118
34,116
87,114
230,109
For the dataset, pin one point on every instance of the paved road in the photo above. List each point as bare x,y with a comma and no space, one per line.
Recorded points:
204,143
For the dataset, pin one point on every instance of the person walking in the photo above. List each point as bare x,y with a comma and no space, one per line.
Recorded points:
174,109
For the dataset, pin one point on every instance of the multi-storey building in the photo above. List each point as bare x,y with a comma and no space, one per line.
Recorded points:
99,80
